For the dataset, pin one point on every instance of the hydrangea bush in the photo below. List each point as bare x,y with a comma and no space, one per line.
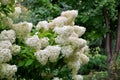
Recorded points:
48,50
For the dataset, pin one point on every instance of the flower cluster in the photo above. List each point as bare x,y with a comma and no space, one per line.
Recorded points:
72,46
33,41
7,49
22,29
51,52
42,25
8,35
7,71
67,41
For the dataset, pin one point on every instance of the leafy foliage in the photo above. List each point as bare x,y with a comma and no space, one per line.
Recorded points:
41,10
97,76
5,10
96,63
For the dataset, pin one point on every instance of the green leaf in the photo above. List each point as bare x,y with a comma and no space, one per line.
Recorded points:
21,63
28,62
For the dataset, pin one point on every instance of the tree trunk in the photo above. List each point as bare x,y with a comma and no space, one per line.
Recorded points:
112,56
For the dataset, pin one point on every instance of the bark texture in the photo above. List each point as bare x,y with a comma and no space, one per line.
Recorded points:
112,56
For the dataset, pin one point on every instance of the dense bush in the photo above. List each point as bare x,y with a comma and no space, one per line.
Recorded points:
96,63
96,76
48,50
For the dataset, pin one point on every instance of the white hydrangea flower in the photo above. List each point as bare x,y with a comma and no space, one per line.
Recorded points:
15,49
44,42
7,71
77,42
30,25
22,29
54,52
61,40
85,49
77,77
7,21
79,30
84,58
5,55
34,42
42,56
5,2
42,24
18,10
57,78
82,50
5,44
67,50
58,22
70,15
16,1
65,31
74,35
74,65
72,58
8,35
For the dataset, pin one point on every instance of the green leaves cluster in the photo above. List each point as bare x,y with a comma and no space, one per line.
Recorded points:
5,9
102,75
41,10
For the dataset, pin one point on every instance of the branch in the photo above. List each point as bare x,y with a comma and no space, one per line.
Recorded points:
117,47
111,36
108,40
